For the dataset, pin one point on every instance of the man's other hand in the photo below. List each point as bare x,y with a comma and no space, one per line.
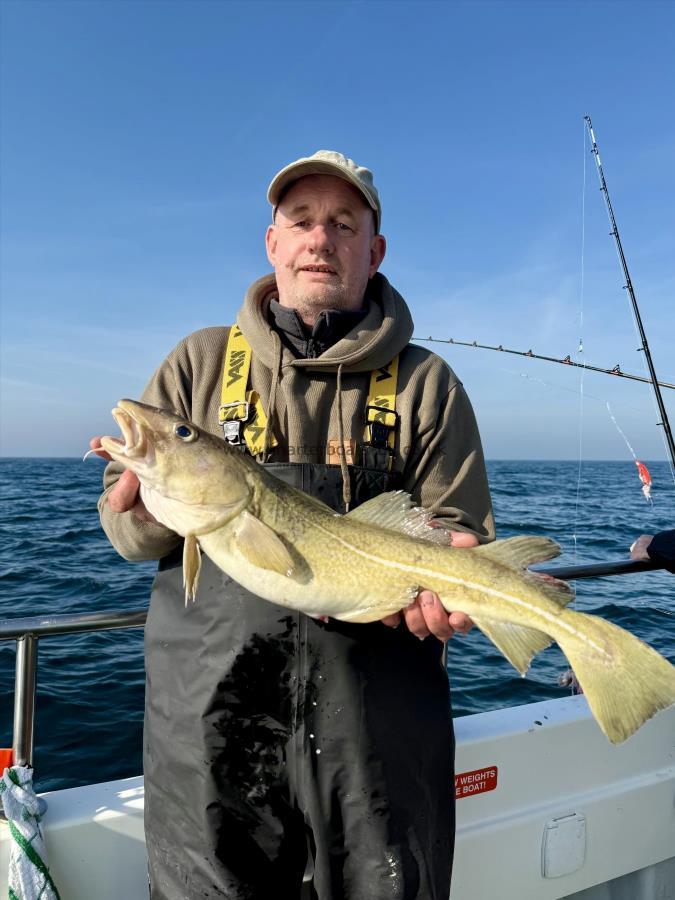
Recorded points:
426,615
124,496
638,549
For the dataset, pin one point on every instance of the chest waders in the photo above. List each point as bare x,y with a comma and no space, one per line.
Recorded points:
268,732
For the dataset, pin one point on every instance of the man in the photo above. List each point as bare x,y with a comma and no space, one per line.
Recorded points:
269,734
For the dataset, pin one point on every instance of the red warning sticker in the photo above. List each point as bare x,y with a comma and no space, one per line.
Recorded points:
480,781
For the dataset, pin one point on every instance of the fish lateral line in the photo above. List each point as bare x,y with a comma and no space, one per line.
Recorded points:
477,587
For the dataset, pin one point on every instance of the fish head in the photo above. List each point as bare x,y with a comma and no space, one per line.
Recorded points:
175,459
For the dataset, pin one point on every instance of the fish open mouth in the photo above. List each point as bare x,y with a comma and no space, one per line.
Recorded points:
133,442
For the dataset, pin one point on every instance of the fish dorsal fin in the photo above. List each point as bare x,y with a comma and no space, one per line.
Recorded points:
520,552
518,644
192,564
387,510
395,510
261,546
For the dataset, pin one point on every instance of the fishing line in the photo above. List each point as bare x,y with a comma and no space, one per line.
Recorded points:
569,390
568,678
580,350
655,405
643,472
618,428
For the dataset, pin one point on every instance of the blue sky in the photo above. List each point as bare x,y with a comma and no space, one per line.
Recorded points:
138,139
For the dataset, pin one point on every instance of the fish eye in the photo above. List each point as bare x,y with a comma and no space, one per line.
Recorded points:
185,433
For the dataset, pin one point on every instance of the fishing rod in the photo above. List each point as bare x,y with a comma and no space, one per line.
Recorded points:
596,570
567,361
631,293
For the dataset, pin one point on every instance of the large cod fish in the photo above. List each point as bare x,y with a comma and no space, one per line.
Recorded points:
289,548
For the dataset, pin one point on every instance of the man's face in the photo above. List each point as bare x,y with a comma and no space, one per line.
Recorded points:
323,246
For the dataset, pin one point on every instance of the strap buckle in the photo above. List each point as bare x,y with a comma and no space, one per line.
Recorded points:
232,422
381,423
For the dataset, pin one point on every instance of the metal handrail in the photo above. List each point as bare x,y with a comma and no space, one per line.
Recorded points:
77,623
27,633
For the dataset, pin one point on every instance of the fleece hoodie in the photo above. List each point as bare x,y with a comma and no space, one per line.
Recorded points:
312,402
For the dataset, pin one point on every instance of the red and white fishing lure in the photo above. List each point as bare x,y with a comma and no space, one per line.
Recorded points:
645,478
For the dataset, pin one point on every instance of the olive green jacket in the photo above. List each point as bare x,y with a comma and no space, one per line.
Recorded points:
438,453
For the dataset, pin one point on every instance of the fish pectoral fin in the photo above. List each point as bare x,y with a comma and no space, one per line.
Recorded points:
374,613
261,546
395,510
192,564
518,644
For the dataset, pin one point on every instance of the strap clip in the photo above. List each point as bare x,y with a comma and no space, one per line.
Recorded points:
381,424
233,421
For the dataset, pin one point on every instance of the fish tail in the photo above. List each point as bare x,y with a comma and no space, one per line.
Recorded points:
625,681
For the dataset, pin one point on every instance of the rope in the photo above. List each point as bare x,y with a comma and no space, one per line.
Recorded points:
276,377
29,877
344,469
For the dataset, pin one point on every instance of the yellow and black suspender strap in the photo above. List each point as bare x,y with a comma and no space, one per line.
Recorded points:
243,417
241,412
381,416
233,404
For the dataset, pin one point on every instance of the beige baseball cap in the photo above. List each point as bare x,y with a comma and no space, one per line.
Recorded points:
328,162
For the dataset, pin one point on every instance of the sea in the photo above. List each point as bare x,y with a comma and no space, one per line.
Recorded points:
54,559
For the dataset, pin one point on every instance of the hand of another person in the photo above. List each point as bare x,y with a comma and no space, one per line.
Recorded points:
426,615
124,495
638,549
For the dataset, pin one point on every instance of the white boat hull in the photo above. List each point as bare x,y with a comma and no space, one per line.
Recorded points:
551,811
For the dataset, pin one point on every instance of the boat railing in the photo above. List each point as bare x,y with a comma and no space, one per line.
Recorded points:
27,633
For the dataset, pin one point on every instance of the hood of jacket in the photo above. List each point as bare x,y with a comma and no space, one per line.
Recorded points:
374,341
